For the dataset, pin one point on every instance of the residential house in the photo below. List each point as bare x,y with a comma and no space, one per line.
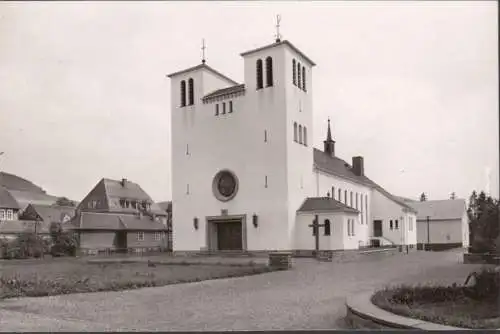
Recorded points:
119,216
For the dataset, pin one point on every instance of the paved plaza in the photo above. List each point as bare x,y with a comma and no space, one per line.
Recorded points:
311,296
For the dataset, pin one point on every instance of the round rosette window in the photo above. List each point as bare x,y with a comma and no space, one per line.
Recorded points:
225,185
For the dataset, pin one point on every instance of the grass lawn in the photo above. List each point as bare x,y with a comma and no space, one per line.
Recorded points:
62,276
459,311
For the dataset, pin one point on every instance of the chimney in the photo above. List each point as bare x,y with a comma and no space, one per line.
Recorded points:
124,181
358,166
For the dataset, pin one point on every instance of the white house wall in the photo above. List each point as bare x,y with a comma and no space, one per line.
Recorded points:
305,240
441,232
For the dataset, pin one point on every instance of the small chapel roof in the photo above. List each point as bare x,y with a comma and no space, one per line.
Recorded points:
285,42
225,91
312,204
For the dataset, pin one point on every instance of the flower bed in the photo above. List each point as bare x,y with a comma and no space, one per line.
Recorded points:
473,306
48,278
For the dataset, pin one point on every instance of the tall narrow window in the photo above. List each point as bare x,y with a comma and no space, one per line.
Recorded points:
230,106
295,131
300,134
333,192
217,109
304,78
269,72
260,83
223,108
265,181
187,149
327,227
183,93
396,224
351,202
305,136
191,91
362,210
348,227
340,195
294,72
345,197
357,199
265,136
391,226
353,225
298,75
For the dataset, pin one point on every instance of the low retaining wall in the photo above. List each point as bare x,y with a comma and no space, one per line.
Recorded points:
439,247
471,258
280,260
362,314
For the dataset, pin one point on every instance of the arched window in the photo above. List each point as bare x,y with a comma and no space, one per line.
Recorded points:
300,134
298,75
352,203
305,136
357,198
269,72
327,227
340,195
294,72
362,208
260,83
304,78
191,91
333,192
345,197
295,131
183,93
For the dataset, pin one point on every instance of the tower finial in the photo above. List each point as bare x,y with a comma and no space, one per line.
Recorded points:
203,47
278,35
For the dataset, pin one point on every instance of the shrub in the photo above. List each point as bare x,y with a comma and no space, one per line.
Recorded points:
486,286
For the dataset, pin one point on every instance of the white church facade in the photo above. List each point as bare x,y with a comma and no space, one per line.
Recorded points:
245,176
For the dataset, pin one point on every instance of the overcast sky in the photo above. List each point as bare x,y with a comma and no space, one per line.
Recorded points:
411,86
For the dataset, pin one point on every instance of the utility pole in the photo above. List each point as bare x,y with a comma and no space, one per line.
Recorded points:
428,234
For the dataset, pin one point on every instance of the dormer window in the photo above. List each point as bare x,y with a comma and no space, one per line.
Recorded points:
183,93
260,79
269,72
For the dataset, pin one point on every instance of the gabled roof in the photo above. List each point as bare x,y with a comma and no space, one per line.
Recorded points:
14,182
440,210
20,226
225,91
340,168
115,222
206,67
285,42
52,213
316,204
24,198
7,201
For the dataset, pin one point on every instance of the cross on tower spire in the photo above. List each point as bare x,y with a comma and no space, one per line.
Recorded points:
278,35
203,47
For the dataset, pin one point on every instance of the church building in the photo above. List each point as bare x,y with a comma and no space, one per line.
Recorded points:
245,176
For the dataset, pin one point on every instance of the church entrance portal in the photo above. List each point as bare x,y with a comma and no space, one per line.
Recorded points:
226,233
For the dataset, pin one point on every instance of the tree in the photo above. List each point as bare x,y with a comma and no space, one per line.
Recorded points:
423,197
64,201
484,215
453,195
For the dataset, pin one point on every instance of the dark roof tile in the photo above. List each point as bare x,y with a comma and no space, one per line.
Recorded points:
315,204
7,201
225,91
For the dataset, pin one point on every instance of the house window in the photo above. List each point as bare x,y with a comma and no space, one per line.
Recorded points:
269,72
217,109
2,214
295,131
223,108
230,106
353,224
305,136
410,223
357,199
333,192
157,236
260,83
187,189
122,203
362,211
140,236
390,225
396,224
265,181
294,72
304,78
183,93
298,75
366,208
187,153
327,227
351,202
265,136
300,134
348,227
345,197
340,195
10,214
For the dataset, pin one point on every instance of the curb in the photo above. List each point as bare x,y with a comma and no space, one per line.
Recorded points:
361,311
